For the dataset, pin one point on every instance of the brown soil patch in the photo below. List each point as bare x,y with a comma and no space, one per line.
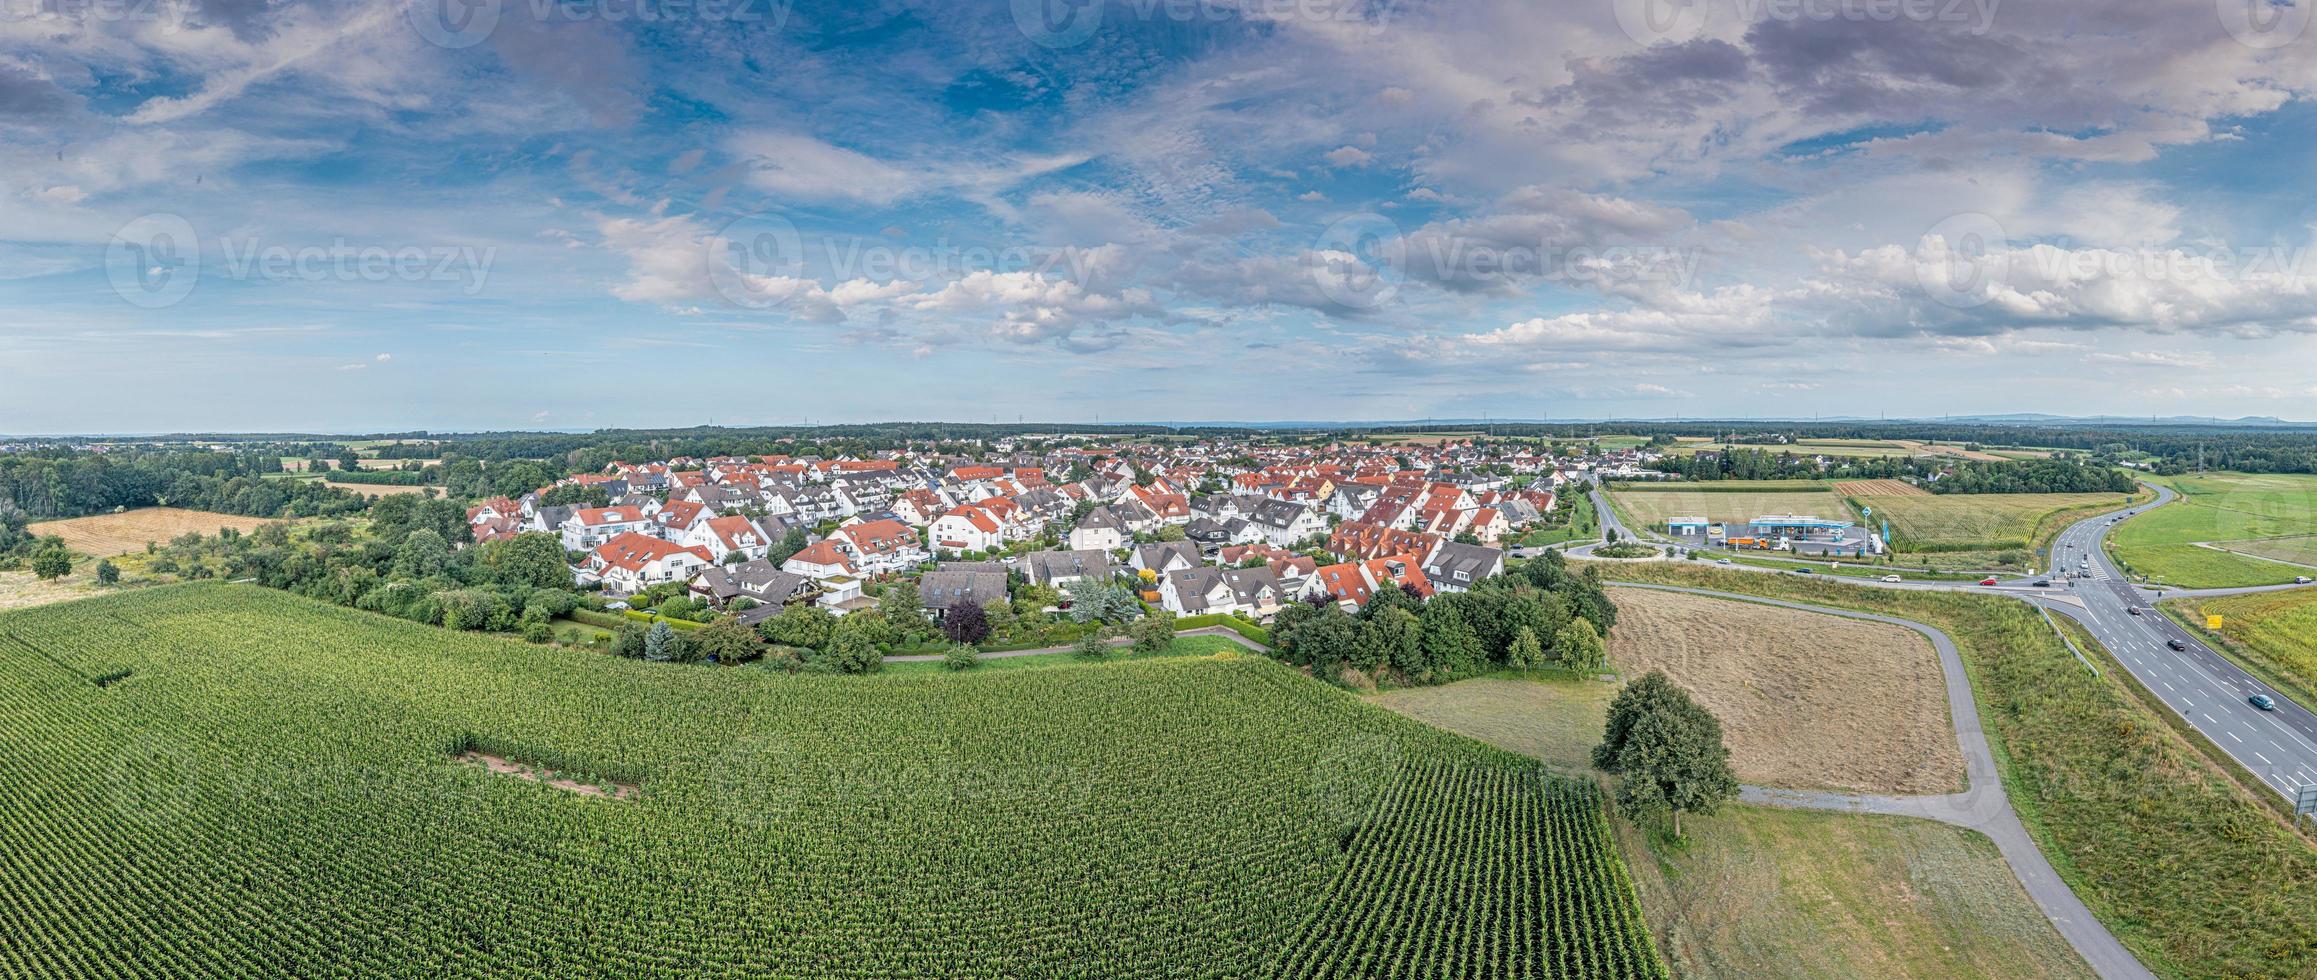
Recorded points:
507,767
106,535
1879,488
1957,452
1806,701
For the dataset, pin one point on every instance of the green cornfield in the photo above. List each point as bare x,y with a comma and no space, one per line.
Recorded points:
214,780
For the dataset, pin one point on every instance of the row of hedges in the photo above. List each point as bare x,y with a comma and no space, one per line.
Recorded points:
613,621
1232,623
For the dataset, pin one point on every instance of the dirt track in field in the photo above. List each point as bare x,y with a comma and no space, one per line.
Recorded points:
1806,701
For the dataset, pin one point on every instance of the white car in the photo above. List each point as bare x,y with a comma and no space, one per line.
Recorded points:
1893,578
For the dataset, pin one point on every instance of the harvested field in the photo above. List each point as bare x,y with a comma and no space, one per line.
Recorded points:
1652,508
105,535
1960,522
1806,701
1880,488
373,489
1944,449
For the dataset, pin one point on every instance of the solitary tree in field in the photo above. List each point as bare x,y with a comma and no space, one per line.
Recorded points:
1669,749
107,572
51,563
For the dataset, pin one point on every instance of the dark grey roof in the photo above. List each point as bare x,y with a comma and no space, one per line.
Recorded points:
1456,563
941,590
1044,567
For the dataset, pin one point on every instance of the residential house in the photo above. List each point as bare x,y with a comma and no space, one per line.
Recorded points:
719,585
1455,567
632,562
821,561
592,526
1066,569
880,546
943,589
1206,589
1100,530
1284,524
965,528
1163,557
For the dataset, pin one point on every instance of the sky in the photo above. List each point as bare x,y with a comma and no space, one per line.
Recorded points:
246,215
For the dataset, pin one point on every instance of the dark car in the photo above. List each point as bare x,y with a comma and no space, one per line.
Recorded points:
2176,645
2263,702
2043,583
2135,610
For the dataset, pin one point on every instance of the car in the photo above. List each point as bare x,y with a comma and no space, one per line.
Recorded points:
2135,610
2177,646
2300,580
1723,561
2263,702
1893,578
2043,583
1987,581
1799,571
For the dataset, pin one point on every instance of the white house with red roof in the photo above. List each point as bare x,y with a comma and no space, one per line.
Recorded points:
965,528
632,562
880,546
723,537
821,561
591,526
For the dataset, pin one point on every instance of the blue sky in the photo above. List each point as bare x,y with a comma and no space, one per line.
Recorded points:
242,214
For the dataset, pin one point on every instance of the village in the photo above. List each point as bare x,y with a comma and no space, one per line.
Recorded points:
1212,528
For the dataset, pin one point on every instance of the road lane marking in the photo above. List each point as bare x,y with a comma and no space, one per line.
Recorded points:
2234,735
2264,759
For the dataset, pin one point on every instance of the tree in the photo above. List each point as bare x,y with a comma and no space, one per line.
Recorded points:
51,562
965,623
1580,648
1525,653
1094,644
423,554
790,543
662,643
1103,604
1450,648
725,640
1154,633
801,625
851,648
628,641
1669,749
902,605
1390,639
1328,642
107,572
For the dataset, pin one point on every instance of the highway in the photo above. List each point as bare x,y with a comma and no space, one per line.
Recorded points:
2203,687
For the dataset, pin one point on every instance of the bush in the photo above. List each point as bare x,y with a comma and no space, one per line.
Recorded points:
538,632
962,657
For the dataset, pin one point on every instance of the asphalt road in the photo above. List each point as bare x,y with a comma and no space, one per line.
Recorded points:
1982,806
2203,687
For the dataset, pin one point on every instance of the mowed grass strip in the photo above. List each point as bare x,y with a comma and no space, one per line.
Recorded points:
1972,521
2184,864
2211,536
106,535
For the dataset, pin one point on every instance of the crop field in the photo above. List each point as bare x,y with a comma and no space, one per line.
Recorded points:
1806,701
2223,531
1652,508
1967,521
376,489
105,535
1879,488
207,780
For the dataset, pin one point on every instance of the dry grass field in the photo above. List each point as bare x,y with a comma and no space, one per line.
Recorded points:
19,590
1880,488
105,535
1960,521
1558,721
1806,701
1651,508
373,489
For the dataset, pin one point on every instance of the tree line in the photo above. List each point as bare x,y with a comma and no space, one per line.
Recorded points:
1540,615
